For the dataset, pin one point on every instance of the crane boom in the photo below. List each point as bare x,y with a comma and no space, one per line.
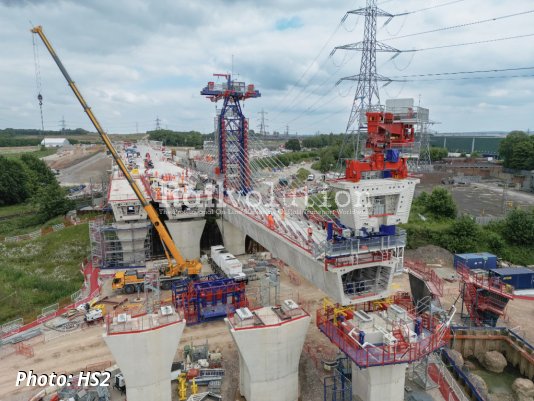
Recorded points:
181,263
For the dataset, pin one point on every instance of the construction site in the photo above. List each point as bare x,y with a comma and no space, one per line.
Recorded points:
221,274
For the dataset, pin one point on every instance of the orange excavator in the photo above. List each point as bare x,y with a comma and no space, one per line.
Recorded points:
177,265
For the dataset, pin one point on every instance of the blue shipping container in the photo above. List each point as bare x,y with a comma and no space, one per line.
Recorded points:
482,260
520,278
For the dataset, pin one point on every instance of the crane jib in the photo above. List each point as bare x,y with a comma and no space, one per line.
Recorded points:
181,265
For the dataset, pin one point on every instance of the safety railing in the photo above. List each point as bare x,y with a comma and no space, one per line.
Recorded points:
351,246
483,280
358,259
462,376
124,324
448,386
368,355
426,274
92,286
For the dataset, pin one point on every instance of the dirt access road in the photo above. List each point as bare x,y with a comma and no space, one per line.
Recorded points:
92,169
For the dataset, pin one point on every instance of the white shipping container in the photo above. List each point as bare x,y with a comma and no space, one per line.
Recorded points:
230,265
216,252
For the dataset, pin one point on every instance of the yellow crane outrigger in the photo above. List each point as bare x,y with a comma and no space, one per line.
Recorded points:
191,267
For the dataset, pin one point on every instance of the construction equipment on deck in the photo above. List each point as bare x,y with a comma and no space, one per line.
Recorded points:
179,265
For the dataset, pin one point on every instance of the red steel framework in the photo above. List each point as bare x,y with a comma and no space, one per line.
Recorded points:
483,295
385,135
210,299
403,351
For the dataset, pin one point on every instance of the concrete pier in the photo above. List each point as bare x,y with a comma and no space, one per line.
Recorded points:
270,342
144,348
132,237
186,235
233,236
379,383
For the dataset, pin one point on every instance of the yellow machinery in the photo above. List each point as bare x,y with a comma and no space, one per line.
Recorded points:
182,387
179,265
129,281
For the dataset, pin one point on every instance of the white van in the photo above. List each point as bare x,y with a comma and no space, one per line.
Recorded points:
311,177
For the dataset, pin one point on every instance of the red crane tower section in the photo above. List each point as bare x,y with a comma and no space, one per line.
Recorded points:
385,136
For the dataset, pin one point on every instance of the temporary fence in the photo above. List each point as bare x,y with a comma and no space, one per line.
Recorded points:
45,230
93,288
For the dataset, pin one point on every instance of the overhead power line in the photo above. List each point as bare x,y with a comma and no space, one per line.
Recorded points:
463,72
296,100
430,8
470,43
466,78
462,25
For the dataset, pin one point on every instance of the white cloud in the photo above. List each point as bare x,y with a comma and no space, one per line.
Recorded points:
135,60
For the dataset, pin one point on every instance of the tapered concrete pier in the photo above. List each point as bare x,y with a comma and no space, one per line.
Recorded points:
270,342
144,348
379,383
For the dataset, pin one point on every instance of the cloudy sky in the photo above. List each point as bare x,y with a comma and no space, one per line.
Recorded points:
135,60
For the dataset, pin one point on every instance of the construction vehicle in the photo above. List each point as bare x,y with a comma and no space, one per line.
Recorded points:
179,265
95,313
129,281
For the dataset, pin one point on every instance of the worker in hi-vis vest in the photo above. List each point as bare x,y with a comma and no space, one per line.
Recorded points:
270,221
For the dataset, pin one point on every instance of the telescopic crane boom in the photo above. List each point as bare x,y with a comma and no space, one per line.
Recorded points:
192,267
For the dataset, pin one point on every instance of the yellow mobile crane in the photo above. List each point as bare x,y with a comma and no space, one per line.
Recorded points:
127,281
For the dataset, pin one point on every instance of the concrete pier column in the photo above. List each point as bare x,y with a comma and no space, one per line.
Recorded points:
186,235
233,236
144,349
132,237
269,357
379,383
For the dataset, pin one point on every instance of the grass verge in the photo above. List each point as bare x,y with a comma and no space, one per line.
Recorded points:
40,272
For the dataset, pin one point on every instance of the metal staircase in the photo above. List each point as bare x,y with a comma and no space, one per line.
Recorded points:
485,298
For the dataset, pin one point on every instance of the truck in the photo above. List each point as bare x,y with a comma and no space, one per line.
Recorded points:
177,265
129,281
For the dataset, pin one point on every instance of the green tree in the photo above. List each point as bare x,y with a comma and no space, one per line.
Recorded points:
14,180
437,154
39,173
517,150
441,204
462,236
422,200
179,138
494,242
51,201
519,227
292,144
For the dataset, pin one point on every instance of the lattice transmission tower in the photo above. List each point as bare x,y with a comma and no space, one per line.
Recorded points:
367,97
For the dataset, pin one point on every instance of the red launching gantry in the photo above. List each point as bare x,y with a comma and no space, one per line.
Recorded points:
385,135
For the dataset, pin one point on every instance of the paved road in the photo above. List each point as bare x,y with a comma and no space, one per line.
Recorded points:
94,169
482,199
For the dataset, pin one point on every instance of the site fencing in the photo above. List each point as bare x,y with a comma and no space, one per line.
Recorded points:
45,230
92,288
